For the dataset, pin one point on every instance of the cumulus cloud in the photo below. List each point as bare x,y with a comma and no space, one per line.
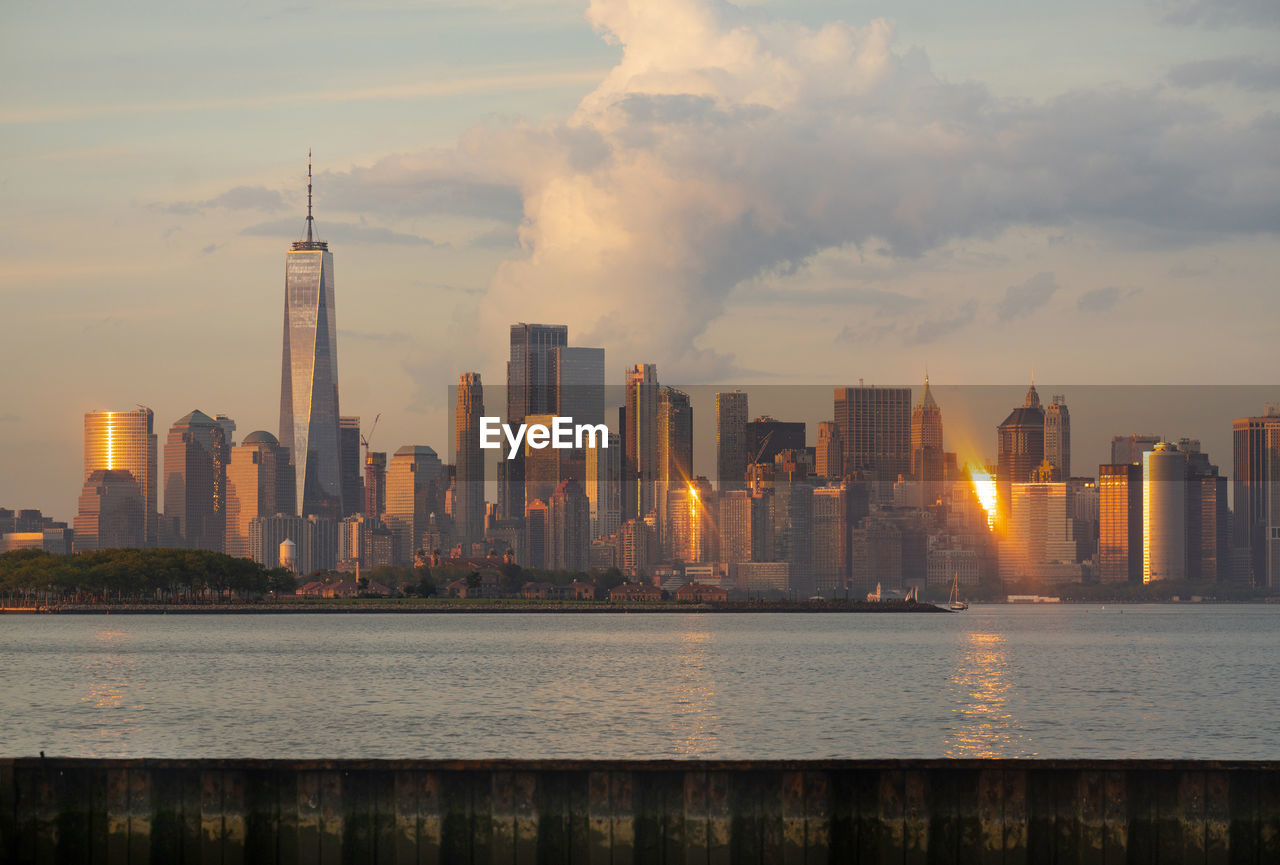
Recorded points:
337,231
1026,297
1248,73
725,145
1103,299
911,329
238,198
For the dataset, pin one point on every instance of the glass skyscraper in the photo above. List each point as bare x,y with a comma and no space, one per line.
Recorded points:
309,374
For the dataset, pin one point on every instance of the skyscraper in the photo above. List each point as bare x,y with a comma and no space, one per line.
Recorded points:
604,487
349,456
1020,449
675,451
125,440
831,537
110,512
828,454
309,373
927,461
640,441
1129,449
260,483
766,438
413,494
195,481
875,431
568,527
1255,470
731,440
375,484
576,380
1120,523
1057,436
1164,513
529,391
468,507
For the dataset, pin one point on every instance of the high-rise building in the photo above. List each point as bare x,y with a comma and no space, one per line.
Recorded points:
468,509
530,391
413,494
731,440
544,467
260,483
537,519
792,517
309,373
568,527
375,484
640,441
1039,542
1208,532
1164,514
576,380
675,452
1057,436
1255,470
926,437
126,440
766,438
831,537
1129,449
875,432
604,487
746,533
110,513
1020,450
195,481
1120,523
828,454
314,540
349,457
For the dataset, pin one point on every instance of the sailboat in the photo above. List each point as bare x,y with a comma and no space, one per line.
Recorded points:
956,603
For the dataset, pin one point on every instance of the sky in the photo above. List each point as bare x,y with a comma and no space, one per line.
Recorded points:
782,194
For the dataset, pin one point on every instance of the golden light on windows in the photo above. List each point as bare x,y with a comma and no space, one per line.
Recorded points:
984,486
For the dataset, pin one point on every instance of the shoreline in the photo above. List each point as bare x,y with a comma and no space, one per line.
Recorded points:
446,608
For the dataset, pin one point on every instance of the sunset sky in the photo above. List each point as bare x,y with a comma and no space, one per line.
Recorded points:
772,193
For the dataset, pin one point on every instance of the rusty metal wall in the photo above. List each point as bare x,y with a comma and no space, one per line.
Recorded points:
926,811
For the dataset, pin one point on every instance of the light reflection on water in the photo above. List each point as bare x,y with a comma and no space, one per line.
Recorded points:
985,725
1161,681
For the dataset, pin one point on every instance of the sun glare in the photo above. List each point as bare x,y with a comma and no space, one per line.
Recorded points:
984,486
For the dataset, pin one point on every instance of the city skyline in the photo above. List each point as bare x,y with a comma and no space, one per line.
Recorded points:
428,217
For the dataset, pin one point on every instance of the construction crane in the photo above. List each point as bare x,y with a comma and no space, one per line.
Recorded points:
365,441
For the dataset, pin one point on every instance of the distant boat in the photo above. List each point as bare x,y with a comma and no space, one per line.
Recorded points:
956,603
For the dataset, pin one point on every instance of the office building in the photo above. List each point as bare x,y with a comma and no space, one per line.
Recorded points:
260,483
675,452
1129,449
604,487
745,528
640,456
1120,523
832,533
875,432
309,373
828,453
537,519
196,454
111,512
413,494
364,542
530,391
349,460
126,441
731,440
576,380
792,517
1020,451
1164,513
1039,543
468,508
568,527
315,541
1255,471
766,438
1057,437
375,484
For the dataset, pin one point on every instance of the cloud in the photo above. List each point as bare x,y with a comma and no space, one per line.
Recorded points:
1214,14
210,249
498,237
238,198
1023,299
1104,299
911,329
1247,73
727,144
346,232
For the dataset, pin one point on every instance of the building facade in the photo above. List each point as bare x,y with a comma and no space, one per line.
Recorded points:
260,483
731,440
126,441
196,454
468,510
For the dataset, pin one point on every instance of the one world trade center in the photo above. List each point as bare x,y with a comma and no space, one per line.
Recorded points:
309,373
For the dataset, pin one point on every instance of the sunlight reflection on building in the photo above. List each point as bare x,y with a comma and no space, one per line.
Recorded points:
984,725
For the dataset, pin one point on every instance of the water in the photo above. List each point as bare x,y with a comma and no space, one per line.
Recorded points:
1063,681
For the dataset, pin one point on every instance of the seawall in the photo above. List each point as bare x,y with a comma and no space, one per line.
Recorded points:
402,811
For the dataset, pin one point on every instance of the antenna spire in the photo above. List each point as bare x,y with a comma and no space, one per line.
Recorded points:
309,217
